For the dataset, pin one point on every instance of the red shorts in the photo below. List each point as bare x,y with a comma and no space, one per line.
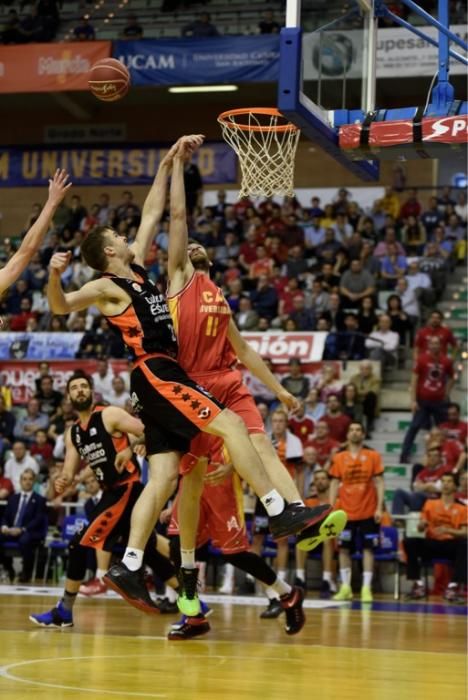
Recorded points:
228,388
221,517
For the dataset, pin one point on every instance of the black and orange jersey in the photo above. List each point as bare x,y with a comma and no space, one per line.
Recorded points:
98,449
145,326
201,318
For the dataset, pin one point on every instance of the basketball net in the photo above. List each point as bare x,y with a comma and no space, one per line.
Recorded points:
265,143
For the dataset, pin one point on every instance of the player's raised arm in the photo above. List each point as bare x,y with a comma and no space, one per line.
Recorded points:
61,303
58,187
155,202
180,268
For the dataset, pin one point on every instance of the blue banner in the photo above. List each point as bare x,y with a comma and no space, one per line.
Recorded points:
39,346
234,59
113,165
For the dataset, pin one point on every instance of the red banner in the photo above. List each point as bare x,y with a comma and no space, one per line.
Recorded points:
393,138
49,67
280,347
20,375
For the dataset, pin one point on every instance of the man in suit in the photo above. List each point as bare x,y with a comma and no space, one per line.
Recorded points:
24,523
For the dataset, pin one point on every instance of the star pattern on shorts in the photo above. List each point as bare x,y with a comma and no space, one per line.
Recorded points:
177,389
186,397
195,404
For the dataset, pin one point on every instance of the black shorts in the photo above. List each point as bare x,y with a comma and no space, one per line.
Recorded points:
172,407
111,517
360,534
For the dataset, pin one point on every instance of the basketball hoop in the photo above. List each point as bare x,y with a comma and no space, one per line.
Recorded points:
265,143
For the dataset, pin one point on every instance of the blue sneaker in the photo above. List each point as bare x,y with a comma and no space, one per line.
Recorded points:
205,611
58,617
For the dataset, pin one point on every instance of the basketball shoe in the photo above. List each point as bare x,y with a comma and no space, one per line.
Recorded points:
292,604
131,586
331,526
192,627
344,593
295,518
95,586
188,601
56,618
274,610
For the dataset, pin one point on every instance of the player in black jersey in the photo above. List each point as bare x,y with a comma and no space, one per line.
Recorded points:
173,408
100,437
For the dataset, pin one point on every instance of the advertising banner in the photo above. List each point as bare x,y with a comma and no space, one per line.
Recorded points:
399,54
39,346
49,67
113,165
281,347
238,59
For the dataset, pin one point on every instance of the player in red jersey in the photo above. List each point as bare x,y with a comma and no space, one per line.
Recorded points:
209,348
30,244
173,407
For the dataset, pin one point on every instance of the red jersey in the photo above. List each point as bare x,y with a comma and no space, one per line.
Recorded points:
337,426
201,316
432,476
433,375
442,332
455,431
451,451
301,428
323,448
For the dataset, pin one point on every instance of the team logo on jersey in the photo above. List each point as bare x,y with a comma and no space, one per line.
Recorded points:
93,431
204,413
78,438
135,401
137,287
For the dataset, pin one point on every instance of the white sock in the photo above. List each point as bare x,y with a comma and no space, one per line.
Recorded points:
100,573
272,594
281,574
170,594
187,557
273,502
280,587
228,577
327,576
367,578
133,558
249,577
300,573
345,576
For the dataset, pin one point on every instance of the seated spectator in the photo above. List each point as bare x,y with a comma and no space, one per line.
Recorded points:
246,318
390,239
300,424
58,424
6,487
426,483
367,318
201,27
351,405
295,265
315,408
383,343
262,265
435,328
303,317
18,462
310,465
453,427
334,315
7,422
33,420
461,495
356,284
343,230
350,342
409,301
314,234
119,394
411,208
324,445
84,31
328,382
268,25
369,261
19,291
444,522
132,29
24,522
264,298
316,209
392,267
432,216
436,267
49,398
368,390
413,235
400,322
329,278
41,450
337,422
234,295
354,245
296,382
327,251
390,203
319,298
451,450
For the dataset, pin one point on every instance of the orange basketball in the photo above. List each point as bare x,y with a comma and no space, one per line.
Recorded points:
109,80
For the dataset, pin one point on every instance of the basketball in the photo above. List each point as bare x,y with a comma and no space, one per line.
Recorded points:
109,80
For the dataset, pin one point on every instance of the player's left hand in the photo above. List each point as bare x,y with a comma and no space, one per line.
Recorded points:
217,476
378,515
290,401
122,458
58,186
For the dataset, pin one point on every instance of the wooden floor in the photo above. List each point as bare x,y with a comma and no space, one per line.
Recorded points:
342,654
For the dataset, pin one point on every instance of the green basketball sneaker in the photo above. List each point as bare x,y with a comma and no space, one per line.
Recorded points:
332,526
188,601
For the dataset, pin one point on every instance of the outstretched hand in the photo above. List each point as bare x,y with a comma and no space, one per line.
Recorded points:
59,262
58,186
289,401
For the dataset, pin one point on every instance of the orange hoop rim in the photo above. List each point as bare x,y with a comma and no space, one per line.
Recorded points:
223,118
